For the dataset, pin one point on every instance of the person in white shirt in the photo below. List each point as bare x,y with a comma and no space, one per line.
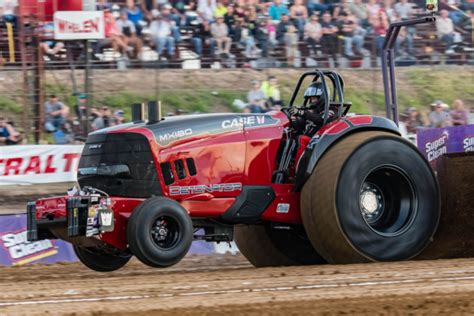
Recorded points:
313,33
445,29
7,10
220,34
161,31
206,9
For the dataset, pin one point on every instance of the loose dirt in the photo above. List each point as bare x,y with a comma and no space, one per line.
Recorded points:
224,284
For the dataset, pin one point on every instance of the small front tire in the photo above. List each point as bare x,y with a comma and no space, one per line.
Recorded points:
159,232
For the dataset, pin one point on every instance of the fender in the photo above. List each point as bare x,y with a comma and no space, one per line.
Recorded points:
330,134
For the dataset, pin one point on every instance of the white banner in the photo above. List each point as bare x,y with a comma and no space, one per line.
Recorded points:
79,25
28,164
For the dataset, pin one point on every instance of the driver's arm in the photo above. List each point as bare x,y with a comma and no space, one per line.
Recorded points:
313,117
307,115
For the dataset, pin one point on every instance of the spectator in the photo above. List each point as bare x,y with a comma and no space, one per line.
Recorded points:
299,14
403,9
135,15
8,134
380,26
277,10
459,114
313,33
467,5
438,117
359,10
272,93
161,32
262,35
81,107
389,10
256,98
50,47
220,10
56,114
445,30
282,28
231,22
414,120
318,6
291,44
373,9
113,36
168,16
220,33
8,10
329,37
202,35
119,117
347,29
128,29
103,119
206,9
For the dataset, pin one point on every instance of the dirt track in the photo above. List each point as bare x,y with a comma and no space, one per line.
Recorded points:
227,284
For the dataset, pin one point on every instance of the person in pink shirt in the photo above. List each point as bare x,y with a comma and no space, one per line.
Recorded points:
459,113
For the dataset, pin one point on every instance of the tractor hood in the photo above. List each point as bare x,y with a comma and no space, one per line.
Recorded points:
175,128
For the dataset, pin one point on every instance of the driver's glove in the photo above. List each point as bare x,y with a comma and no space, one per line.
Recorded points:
294,111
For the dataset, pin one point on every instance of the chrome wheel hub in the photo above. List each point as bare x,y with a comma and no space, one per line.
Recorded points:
371,202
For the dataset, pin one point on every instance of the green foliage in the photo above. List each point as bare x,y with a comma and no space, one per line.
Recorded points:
9,106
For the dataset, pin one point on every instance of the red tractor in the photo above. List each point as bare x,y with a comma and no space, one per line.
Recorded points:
288,190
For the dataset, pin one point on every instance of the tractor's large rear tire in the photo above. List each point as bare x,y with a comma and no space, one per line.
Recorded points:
100,261
265,246
372,197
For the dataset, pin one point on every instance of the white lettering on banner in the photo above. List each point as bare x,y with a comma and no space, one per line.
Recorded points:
26,164
76,25
437,147
19,247
468,143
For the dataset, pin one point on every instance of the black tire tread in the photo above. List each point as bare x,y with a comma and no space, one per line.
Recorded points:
318,202
255,244
101,262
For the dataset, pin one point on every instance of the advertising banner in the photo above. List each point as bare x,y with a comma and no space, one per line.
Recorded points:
433,143
16,250
79,25
29,164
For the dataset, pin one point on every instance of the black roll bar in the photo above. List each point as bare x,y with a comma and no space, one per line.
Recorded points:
388,63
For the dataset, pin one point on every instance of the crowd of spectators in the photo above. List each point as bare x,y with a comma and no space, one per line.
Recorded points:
262,28
441,115
67,127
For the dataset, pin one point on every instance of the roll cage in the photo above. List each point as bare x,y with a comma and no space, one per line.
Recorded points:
335,100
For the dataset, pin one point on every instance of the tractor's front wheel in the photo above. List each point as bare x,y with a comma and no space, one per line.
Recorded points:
372,197
265,246
100,261
159,232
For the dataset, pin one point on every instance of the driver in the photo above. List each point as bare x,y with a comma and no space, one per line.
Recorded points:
311,117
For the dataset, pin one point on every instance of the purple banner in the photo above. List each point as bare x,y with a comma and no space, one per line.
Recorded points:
433,143
16,250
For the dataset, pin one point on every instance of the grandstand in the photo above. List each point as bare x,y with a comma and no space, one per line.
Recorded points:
186,17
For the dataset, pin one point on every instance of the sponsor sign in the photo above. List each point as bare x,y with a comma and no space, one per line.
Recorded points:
433,143
28,164
15,249
79,25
